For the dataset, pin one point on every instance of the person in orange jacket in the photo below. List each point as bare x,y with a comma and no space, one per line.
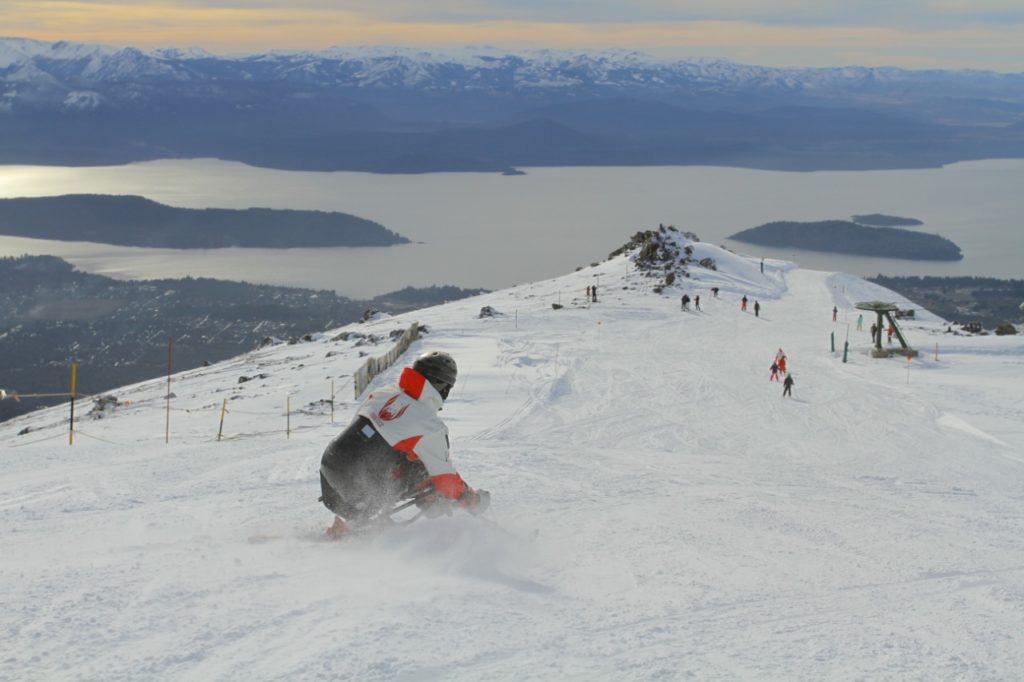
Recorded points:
395,449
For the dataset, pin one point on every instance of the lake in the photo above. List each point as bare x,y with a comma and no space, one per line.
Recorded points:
492,231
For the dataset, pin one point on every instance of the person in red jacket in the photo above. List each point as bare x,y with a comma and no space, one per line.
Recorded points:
395,449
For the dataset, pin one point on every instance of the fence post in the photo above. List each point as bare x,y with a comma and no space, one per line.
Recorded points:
846,348
74,384
332,401
288,423
832,341
936,351
223,411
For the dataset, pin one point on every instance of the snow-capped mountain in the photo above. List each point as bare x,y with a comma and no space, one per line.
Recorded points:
466,70
410,111
692,522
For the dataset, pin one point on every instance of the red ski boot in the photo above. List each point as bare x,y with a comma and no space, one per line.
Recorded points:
337,529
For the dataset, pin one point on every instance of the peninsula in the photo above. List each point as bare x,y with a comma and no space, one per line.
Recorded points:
843,236
137,221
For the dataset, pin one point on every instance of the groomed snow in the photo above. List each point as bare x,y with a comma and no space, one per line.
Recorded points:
693,524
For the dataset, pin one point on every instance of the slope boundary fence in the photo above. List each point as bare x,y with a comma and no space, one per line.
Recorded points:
362,377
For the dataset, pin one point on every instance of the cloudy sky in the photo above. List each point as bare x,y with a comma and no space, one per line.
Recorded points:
986,34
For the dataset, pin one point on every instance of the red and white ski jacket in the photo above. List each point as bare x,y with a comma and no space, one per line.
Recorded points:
406,417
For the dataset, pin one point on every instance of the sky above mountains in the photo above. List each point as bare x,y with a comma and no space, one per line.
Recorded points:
949,34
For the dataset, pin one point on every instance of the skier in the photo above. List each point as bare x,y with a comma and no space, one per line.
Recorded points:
714,291
686,302
743,303
395,449
775,372
787,386
874,332
593,293
780,358
888,333
860,322
696,301
757,309
835,313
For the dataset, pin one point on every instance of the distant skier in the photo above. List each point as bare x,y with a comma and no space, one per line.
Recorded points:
696,302
593,293
888,333
743,304
685,300
835,313
775,372
780,359
395,449
875,338
588,292
787,386
714,291
757,309
860,322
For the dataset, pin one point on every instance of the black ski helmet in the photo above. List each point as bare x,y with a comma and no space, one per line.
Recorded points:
439,368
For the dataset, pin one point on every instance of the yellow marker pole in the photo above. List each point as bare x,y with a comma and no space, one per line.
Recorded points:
223,411
74,385
332,401
167,424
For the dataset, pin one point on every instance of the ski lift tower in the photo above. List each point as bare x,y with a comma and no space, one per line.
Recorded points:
885,312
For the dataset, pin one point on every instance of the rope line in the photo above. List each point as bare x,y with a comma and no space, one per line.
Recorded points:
41,440
103,440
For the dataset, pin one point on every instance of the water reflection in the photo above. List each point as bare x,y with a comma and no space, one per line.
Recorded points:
489,230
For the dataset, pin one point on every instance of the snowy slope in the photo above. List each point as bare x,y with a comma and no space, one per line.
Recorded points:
693,523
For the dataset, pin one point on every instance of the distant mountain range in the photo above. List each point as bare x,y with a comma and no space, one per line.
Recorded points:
395,110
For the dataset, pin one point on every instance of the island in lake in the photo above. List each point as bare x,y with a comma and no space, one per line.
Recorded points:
137,221
843,236
882,220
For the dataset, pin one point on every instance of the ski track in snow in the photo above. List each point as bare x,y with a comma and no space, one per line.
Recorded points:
693,523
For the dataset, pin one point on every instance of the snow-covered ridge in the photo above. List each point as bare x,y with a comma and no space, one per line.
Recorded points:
467,68
693,523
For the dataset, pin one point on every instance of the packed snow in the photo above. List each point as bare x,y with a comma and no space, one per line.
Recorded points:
693,523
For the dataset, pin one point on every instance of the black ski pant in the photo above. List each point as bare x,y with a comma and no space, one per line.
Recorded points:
362,476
